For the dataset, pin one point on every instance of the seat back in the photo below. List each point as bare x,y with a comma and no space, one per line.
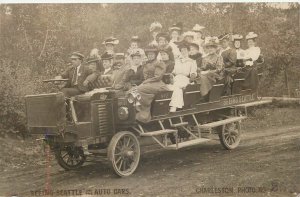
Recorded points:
160,104
237,85
103,81
191,95
216,92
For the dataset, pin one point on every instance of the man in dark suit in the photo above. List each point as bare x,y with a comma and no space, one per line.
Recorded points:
79,76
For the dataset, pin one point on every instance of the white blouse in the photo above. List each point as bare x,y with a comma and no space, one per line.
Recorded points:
253,53
185,66
175,50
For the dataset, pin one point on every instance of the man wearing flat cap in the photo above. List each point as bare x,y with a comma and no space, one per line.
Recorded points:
79,76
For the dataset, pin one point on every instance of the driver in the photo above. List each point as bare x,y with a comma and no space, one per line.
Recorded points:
79,76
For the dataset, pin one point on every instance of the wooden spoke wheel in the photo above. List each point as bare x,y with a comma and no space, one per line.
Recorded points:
124,153
70,157
230,135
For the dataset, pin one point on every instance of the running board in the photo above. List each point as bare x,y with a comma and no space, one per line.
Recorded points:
221,122
255,103
159,132
187,143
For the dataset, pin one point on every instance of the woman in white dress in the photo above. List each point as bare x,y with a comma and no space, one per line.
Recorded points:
185,71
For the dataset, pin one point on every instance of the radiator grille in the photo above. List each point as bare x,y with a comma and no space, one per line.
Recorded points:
102,118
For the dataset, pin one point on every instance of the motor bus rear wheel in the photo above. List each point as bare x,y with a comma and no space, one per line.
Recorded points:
230,135
70,157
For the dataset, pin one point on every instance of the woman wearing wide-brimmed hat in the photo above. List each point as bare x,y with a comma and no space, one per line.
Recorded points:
110,44
253,58
154,29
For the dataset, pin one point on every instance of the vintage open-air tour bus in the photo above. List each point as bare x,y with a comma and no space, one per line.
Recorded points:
103,123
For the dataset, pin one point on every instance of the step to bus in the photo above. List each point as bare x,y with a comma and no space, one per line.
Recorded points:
255,103
188,143
221,122
159,132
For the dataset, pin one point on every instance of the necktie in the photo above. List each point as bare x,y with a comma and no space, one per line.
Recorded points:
75,75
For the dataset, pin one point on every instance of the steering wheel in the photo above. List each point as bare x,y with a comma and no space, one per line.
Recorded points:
60,83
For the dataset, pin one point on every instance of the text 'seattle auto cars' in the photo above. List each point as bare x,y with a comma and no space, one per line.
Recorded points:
100,122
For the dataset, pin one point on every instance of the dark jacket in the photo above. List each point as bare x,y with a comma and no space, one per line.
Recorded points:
131,77
84,74
229,58
198,58
170,66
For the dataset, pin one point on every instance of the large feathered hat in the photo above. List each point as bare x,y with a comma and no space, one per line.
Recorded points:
189,33
77,55
198,28
211,41
155,26
135,39
224,36
106,56
251,35
176,26
111,40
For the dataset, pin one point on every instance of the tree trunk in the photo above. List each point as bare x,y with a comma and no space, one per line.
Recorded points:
286,80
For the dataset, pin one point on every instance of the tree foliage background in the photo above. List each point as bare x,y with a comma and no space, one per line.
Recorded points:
36,40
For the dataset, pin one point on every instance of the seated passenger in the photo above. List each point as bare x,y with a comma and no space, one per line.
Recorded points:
195,54
107,62
95,65
155,28
168,58
119,69
133,74
240,53
211,68
185,71
163,40
134,47
79,76
253,52
253,58
229,59
110,45
95,51
153,74
189,36
199,38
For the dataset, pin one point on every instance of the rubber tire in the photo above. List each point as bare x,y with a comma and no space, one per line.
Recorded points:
222,139
63,164
111,148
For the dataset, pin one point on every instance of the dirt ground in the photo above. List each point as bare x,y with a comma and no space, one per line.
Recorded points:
266,163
